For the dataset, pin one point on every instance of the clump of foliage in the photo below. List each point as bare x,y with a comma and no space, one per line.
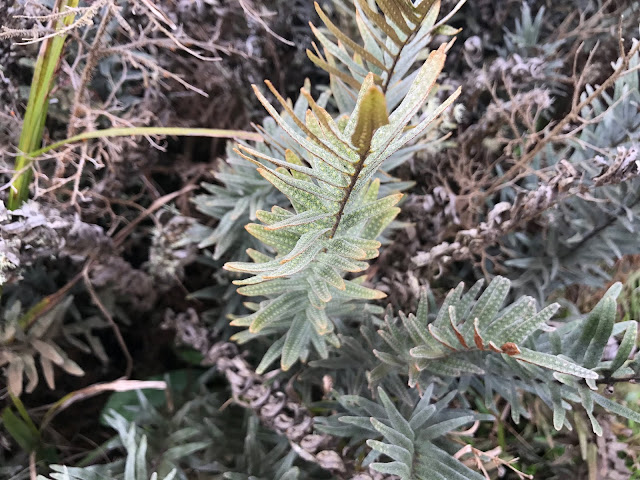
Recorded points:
380,185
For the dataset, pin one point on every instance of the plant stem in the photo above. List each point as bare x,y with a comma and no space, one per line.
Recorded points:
20,191
133,131
502,441
37,106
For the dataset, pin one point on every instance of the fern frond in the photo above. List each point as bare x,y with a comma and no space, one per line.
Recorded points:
394,35
513,349
337,213
243,191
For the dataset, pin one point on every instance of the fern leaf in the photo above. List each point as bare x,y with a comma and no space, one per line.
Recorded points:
337,213
393,34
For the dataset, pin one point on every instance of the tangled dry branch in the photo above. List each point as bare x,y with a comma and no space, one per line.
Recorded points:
506,217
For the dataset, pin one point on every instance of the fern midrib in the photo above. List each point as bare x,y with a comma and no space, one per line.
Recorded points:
347,194
396,58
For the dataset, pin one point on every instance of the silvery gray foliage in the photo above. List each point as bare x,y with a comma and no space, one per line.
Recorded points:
21,346
514,350
506,217
414,437
354,368
133,467
527,34
234,203
527,63
588,232
478,347
196,437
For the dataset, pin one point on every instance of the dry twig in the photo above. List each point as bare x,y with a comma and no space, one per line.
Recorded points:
505,217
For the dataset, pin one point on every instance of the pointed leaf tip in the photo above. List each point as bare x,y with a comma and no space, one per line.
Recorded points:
372,115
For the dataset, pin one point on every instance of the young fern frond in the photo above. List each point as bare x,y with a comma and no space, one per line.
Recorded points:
244,191
329,179
393,36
